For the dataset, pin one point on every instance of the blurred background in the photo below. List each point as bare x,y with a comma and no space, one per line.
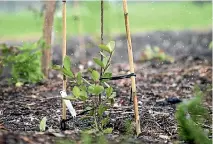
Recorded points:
179,28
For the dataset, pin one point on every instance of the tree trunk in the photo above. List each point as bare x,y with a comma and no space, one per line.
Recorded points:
47,34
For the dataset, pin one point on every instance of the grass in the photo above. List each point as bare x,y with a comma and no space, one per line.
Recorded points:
144,16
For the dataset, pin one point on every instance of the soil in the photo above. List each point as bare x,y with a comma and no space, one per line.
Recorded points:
160,86
22,108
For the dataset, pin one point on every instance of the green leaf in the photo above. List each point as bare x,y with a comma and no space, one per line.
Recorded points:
83,88
19,84
91,89
90,131
105,48
95,89
107,75
98,62
104,121
83,95
112,101
56,67
105,60
101,109
95,75
98,89
43,124
67,62
67,73
76,91
90,70
111,46
109,91
79,78
108,130
113,95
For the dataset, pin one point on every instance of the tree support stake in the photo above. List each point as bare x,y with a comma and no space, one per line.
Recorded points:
64,49
131,63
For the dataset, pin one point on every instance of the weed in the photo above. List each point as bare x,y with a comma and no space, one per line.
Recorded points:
129,129
155,53
190,115
24,61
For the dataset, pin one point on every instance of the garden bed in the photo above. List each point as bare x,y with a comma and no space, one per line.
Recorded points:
22,108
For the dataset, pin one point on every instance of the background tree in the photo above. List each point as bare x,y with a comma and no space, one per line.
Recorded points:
47,35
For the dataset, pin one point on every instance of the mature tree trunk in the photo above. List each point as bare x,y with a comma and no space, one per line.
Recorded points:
47,35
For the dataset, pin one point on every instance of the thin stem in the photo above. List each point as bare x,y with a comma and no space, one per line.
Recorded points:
87,81
106,84
102,31
94,116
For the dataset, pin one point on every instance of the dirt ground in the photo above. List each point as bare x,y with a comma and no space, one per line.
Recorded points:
22,108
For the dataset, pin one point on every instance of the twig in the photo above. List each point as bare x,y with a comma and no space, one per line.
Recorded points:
154,121
130,55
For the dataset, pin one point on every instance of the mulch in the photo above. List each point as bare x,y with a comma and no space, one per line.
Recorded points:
159,87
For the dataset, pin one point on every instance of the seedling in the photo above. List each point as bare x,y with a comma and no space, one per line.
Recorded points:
42,125
91,89
98,85
190,114
155,53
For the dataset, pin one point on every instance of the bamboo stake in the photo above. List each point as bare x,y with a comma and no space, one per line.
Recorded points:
102,32
64,54
131,63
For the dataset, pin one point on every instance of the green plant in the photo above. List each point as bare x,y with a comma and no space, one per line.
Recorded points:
129,128
85,138
190,115
155,53
91,89
24,61
210,45
42,125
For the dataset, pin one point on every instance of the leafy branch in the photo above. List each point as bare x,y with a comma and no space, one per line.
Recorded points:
85,89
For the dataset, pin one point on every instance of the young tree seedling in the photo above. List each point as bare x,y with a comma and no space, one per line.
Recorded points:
84,90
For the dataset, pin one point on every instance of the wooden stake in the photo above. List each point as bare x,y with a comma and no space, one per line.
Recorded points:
64,54
102,32
131,63
47,34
